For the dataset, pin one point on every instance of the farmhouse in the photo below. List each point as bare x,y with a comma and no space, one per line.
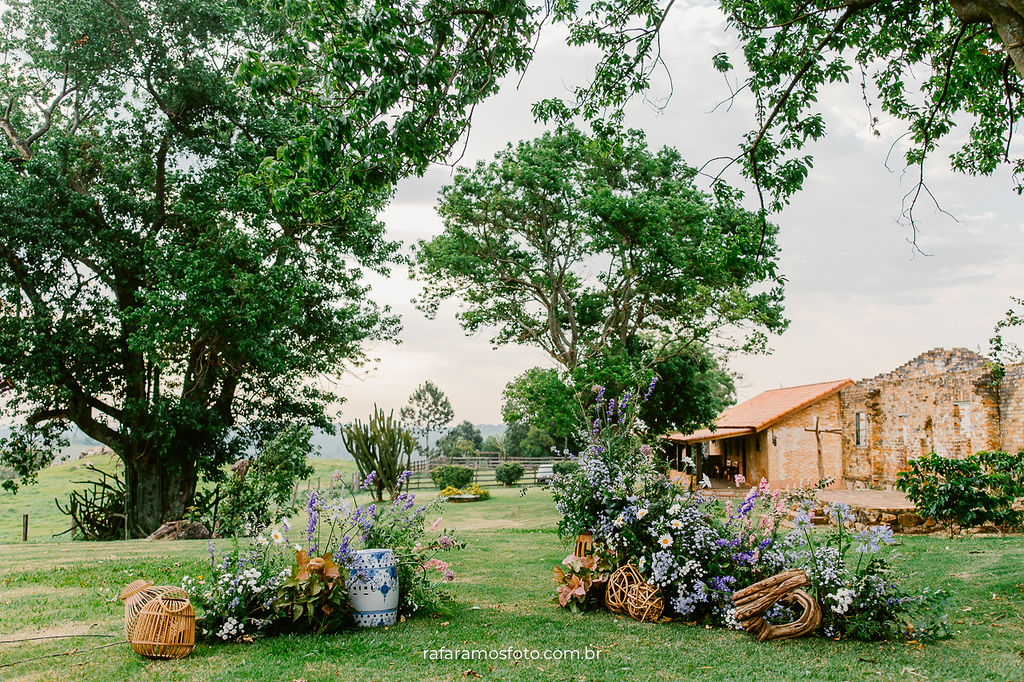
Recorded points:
772,436
862,434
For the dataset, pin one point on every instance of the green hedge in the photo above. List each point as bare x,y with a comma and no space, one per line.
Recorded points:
509,473
564,468
451,475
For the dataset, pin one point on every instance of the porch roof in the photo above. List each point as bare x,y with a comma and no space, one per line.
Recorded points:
762,411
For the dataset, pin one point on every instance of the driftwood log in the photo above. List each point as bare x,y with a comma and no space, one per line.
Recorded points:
752,602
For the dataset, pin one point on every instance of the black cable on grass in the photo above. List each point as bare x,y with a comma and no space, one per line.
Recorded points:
33,639
63,653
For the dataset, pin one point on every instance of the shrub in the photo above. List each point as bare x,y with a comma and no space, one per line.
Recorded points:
451,475
564,468
509,473
260,489
963,493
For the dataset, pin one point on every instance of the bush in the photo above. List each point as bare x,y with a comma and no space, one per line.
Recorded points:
564,468
963,493
509,473
451,475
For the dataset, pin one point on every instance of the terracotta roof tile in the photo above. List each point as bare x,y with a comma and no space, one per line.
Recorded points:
763,410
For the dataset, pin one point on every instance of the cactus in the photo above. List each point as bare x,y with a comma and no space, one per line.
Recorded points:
384,446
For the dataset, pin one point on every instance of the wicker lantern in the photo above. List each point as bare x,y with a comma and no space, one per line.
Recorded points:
645,603
165,628
618,587
584,545
137,594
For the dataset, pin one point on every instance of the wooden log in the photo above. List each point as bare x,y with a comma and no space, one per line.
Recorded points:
754,601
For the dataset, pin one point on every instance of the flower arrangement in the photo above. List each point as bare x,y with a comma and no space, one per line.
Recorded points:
277,584
699,551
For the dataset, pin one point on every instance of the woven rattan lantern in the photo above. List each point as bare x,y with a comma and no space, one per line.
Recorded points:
137,594
618,587
584,545
645,603
165,628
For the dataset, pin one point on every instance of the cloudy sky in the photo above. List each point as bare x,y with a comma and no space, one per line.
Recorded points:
860,299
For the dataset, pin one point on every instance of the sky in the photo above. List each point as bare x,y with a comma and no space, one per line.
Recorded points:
860,298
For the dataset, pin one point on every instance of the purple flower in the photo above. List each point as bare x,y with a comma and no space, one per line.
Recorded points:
444,542
368,480
611,406
343,555
449,575
314,518
650,389
403,477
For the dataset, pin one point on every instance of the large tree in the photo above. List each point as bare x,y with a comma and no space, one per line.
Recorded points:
578,243
933,64
180,256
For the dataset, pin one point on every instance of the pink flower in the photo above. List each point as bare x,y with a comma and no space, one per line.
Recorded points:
740,480
434,525
763,486
437,564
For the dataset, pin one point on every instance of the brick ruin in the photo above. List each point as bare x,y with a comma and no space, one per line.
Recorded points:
943,401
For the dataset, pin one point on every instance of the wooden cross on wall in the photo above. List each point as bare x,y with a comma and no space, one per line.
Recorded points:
817,437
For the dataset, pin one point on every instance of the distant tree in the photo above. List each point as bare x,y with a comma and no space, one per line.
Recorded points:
494,443
537,443
515,434
543,398
428,410
466,430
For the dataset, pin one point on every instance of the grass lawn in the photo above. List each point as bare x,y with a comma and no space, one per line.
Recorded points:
503,599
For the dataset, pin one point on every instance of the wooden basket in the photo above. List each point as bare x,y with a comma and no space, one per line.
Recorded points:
645,603
618,587
137,594
166,628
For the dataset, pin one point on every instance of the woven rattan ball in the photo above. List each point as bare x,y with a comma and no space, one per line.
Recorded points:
166,628
645,603
618,587
137,594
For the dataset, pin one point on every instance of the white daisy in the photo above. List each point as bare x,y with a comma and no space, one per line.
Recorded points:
665,540
675,523
277,537
641,513
620,520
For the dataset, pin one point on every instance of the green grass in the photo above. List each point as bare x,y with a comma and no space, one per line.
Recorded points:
505,572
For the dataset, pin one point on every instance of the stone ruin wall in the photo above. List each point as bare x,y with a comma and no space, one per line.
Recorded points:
942,401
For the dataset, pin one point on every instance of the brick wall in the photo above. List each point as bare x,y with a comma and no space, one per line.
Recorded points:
941,401
793,451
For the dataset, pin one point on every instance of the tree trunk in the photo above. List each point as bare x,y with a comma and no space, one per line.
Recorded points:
159,490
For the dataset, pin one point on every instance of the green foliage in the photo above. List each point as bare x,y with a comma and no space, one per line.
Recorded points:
541,397
191,303
969,492
464,440
537,443
451,475
382,90
494,444
97,512
564,468
514,435
522,233
509,473
428,410
383,446
970,55
313,598
261,489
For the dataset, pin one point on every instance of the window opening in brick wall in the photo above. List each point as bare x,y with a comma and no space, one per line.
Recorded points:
859,429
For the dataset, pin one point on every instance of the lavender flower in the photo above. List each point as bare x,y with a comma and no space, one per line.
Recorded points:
650,389
445,542
314,518
368,481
